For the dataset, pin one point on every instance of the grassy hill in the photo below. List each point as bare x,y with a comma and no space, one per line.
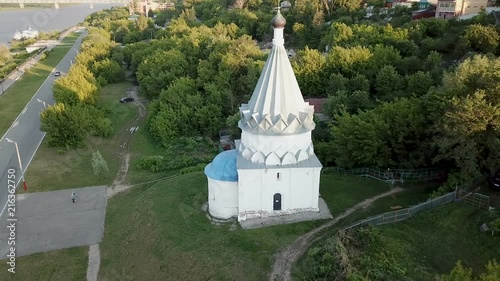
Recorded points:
420,248
159,232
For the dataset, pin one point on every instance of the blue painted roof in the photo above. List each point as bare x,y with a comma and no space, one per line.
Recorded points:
223,167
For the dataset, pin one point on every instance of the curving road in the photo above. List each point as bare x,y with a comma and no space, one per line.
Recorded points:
26,129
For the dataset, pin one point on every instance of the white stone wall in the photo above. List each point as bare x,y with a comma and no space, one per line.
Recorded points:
299,189
222,199
276,150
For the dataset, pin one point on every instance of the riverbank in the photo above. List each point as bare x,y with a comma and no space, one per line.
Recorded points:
44,19
10,7
22,89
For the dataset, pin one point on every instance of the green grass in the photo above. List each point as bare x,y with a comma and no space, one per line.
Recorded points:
409,197
341,192
51,170
426,245
432,242
159,232
61,265
412,195
71,38
142,145
17,96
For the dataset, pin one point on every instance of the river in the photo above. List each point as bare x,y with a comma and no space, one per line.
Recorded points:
44,19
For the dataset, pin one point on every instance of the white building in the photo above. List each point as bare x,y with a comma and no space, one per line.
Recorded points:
273,171
447,9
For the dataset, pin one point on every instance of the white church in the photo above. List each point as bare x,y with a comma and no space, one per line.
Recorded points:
274,171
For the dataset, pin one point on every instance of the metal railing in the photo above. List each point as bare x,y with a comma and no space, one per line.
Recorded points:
391,175
474,199
399,215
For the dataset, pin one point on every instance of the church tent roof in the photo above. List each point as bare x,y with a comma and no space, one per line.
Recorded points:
277,106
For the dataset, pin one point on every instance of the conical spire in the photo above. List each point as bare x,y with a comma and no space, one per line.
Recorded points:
277,106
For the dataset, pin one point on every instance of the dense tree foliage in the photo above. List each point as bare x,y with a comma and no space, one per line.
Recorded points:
459,272
469,130
4,54
387,81
77,112
195,75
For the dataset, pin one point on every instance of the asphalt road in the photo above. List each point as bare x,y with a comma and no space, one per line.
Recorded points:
26,130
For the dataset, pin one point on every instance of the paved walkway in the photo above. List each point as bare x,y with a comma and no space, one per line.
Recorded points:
48,221
94,261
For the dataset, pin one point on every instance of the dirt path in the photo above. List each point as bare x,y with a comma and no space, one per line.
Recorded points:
118,184
284,259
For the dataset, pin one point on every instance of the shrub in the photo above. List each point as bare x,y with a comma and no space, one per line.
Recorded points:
99,165
103,127
152,163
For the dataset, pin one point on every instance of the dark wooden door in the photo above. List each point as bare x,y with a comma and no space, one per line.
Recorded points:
277,202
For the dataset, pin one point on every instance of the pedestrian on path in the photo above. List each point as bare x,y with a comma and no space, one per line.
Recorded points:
73,197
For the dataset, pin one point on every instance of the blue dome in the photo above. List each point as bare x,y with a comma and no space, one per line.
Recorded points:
223,167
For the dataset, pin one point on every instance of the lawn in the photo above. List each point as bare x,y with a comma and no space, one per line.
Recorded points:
16,97
159,232
53,170
412,195
341,191
435,240
62,265
424,246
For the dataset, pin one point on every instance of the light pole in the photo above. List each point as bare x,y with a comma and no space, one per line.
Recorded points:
44,104
20,164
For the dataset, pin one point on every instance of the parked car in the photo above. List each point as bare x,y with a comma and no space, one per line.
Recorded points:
495,181
126,99
57,73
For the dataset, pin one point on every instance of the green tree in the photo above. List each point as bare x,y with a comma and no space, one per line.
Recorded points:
99,164
388,83
79,86
359,83
434,27
461,273
309,66
4,54
181,110
160,70
392,134
232,125
142,22
108,70
492,270
458,273
336,82
495,226
348,61
481,38
419,83
349,102
65,126
469,128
